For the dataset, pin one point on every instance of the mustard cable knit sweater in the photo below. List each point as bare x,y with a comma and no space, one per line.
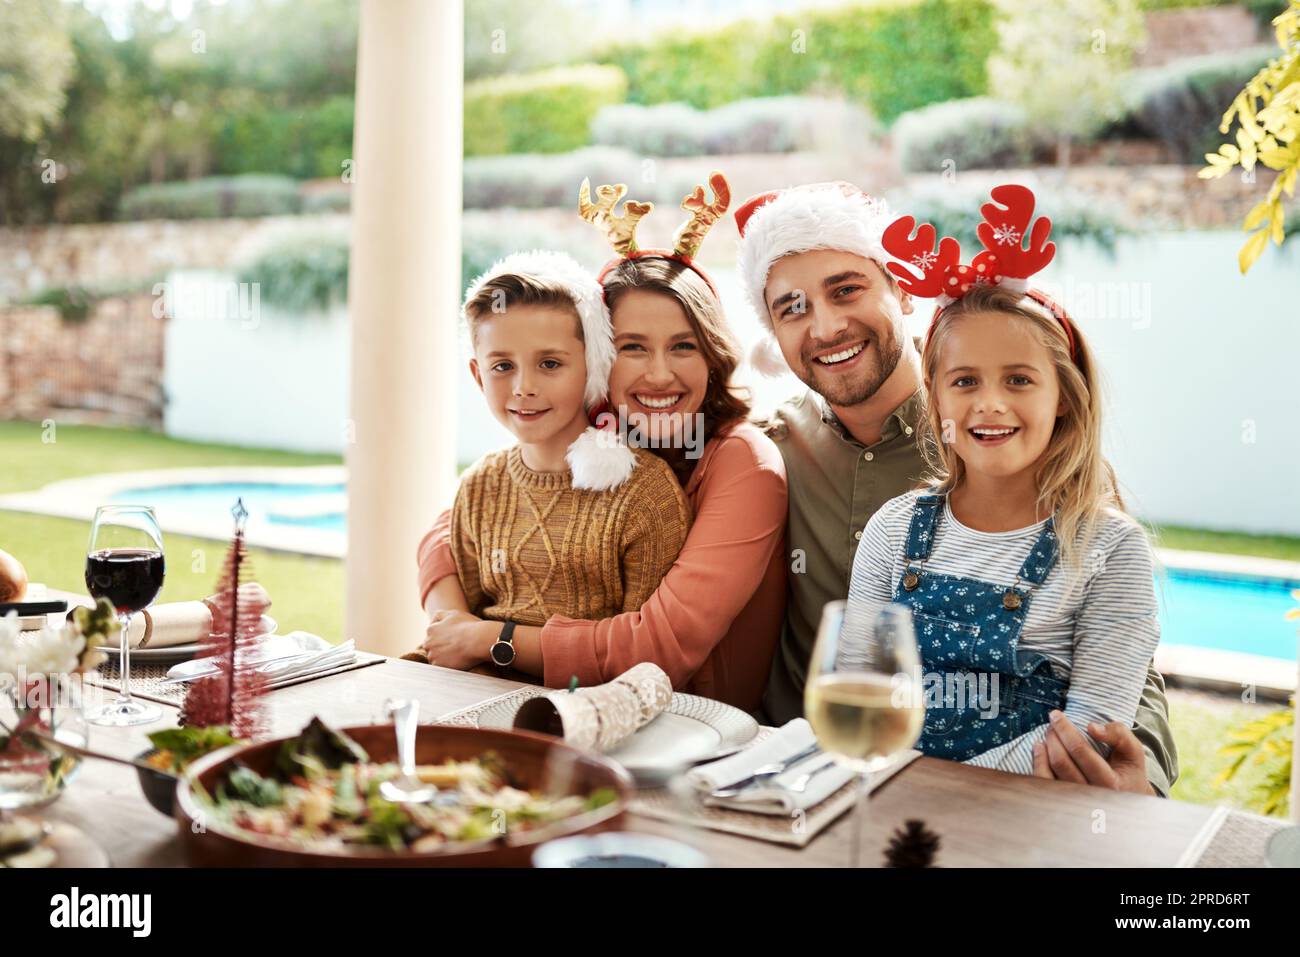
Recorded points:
528,545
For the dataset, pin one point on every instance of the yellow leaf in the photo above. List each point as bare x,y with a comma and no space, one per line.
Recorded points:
1257,216
1251,250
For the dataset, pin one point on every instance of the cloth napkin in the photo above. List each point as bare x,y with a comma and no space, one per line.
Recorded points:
603,716
773,797
172,623
325,659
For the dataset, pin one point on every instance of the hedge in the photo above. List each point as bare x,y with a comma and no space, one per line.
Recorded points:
1181,104
549,111
979,132
216,197
892,56
303,143
776,124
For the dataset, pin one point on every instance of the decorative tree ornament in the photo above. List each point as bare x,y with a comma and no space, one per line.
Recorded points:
231,697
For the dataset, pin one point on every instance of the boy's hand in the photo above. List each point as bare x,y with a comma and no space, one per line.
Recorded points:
1066,755
457,639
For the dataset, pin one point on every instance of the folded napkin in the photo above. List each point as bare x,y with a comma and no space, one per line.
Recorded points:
773,796
172,623
602,716
280,658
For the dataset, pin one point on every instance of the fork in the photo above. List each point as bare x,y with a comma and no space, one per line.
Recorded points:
800,784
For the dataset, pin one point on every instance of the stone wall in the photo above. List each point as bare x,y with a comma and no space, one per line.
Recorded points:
103,370
1175,34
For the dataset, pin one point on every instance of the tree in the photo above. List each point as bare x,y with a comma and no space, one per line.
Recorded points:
36,64
1065,62
1267,113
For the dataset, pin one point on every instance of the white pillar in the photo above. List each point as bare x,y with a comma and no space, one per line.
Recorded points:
404,289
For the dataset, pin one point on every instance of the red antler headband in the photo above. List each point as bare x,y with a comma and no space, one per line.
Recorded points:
1003,262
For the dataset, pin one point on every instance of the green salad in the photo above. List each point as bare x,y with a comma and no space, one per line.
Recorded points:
324,795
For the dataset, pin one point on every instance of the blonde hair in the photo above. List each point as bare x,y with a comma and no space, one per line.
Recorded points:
1076,484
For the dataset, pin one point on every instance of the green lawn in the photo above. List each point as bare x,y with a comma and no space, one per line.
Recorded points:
308,592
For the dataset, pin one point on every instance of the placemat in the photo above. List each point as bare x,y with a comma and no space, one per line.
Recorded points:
1234,839
796,830
146,679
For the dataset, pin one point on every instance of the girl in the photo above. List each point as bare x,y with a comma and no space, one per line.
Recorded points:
1030,588
714,621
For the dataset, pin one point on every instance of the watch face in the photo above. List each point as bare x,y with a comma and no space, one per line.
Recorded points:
503,653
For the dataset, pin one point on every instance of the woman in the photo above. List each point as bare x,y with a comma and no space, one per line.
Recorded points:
714,620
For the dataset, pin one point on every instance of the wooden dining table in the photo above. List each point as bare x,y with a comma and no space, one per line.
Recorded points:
983,817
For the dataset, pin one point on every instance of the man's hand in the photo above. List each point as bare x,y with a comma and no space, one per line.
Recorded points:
457,639
1066,755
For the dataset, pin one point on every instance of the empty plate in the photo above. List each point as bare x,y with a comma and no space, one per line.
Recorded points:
170,653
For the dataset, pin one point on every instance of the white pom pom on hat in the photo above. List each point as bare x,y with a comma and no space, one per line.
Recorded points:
801,219
598,461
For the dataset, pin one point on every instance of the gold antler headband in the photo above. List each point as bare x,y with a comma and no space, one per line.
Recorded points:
689,236
619,229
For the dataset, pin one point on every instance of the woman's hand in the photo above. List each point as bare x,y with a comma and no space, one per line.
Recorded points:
1066,755
457,639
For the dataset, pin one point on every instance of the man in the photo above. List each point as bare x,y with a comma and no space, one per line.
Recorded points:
812,264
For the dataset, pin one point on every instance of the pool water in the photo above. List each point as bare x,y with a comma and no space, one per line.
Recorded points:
1202,609
277,503
1246,615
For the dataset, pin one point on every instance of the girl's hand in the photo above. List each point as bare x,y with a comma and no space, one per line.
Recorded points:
457,639
1066,755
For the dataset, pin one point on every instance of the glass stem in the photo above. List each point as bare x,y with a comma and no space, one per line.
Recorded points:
124,678
860,821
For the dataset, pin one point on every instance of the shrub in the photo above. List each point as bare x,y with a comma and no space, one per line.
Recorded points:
549,111
75,300
1182,103
778,124
300,273
974,133
212,198
303,143
890,56
532,181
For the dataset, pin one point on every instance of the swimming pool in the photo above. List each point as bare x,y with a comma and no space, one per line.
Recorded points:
1200,609
320,506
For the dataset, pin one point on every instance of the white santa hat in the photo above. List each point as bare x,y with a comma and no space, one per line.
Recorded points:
798,220
600,460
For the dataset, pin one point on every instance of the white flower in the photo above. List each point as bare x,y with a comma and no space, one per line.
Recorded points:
54,650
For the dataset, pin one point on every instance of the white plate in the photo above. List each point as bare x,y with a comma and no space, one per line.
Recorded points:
170,653
691,730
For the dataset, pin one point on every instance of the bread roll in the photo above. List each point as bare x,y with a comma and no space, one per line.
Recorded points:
13,578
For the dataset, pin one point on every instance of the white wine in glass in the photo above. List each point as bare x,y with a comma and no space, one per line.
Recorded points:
862,696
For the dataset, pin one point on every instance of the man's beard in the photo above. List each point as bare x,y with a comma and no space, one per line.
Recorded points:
879,364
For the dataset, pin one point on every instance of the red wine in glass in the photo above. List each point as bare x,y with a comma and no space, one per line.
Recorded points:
128,577
124,564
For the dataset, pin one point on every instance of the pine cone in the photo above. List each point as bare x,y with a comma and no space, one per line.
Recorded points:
912,846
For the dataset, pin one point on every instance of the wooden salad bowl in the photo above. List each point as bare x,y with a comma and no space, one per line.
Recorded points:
525,755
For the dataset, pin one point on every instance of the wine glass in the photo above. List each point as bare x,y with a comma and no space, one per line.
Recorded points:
863,693
124,563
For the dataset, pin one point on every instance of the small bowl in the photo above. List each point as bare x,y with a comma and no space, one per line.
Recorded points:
617,849
1283,848
159,787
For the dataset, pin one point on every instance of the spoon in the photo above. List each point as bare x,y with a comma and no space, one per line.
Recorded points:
408,789
98,755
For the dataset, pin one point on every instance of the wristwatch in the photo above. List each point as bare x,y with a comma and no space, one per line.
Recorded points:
503,652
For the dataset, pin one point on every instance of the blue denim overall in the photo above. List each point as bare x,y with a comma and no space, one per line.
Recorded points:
968,633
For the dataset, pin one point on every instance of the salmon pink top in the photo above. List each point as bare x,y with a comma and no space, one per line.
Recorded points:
715,619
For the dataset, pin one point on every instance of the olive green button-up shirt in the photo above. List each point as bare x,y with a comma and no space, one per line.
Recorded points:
835,485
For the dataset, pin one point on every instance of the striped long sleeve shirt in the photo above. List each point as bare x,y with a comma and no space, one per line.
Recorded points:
1099,631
